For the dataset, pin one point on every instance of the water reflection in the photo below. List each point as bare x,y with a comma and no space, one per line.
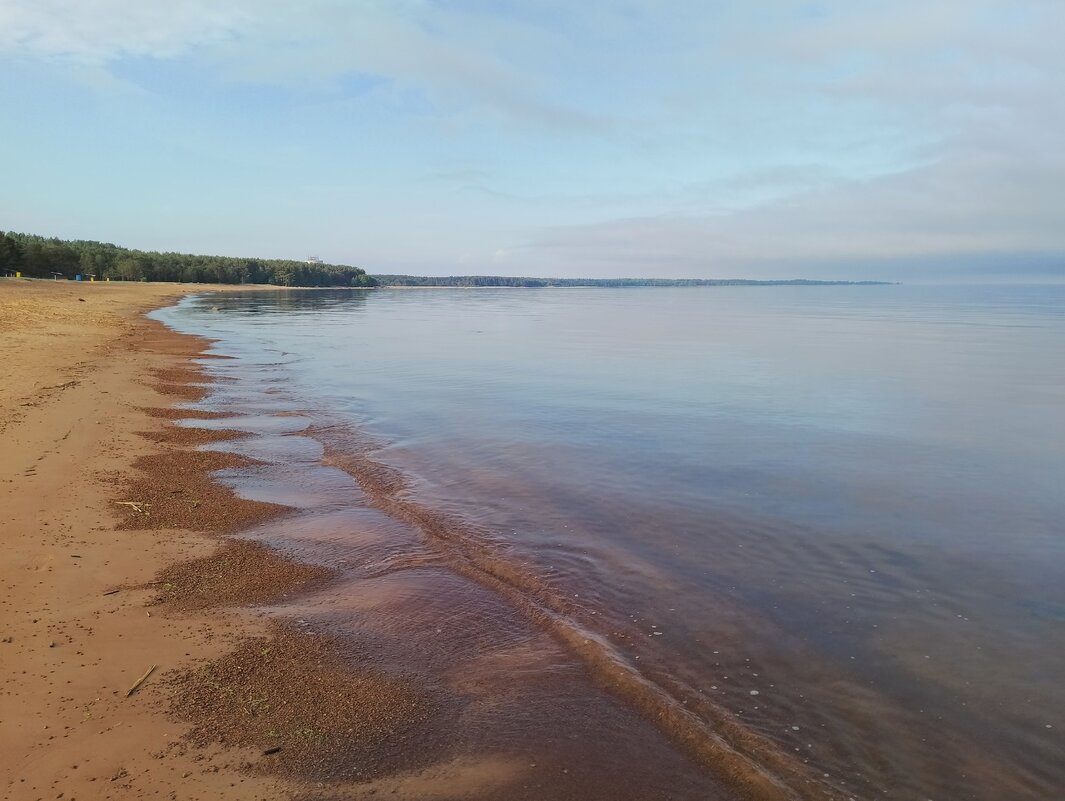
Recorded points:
845,500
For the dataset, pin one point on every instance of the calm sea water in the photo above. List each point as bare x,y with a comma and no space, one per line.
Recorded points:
679,539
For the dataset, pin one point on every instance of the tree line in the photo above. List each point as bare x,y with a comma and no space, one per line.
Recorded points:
508,281
42,257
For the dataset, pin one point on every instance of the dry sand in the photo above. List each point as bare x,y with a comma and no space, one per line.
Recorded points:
80,370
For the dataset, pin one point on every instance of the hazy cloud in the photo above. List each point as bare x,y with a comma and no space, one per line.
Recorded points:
951,210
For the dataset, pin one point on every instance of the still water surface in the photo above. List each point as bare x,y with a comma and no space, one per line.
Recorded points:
820,530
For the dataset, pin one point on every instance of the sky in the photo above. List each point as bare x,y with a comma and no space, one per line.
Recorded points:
866,139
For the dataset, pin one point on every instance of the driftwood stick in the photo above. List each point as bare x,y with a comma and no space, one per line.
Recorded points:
140,681
137,506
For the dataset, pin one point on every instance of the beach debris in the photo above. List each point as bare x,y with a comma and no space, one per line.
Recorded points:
140,507
140,681
58,386
272,750
112,592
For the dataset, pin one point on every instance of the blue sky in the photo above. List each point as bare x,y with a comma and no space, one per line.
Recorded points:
901,139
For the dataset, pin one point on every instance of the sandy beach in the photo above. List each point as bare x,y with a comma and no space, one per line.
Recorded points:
131,669
80,621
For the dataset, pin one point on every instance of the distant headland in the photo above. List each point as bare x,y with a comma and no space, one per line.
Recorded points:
506,281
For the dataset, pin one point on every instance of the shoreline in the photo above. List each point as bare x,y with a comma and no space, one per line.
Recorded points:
138,665
734,758
225,706
119,561
77,624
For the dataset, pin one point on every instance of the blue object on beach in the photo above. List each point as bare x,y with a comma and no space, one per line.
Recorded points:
77,277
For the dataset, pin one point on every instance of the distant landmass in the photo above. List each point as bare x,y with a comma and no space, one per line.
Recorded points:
34,256
500,280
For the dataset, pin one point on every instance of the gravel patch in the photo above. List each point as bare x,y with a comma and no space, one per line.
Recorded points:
173,489
238,573
301,699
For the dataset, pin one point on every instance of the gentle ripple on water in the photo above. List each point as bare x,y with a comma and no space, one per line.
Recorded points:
816,527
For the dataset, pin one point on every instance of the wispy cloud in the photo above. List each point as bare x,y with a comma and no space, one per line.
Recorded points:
463,61
99,32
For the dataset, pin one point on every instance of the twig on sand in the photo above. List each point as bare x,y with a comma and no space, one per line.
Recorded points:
61,386
138,506
140,681
136,587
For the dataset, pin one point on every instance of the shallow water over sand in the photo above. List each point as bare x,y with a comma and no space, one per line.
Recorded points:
666,542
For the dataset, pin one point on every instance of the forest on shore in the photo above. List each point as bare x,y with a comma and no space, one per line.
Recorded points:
43,257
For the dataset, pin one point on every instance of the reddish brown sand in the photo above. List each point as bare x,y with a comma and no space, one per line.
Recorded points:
294,697
173,489
236,573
